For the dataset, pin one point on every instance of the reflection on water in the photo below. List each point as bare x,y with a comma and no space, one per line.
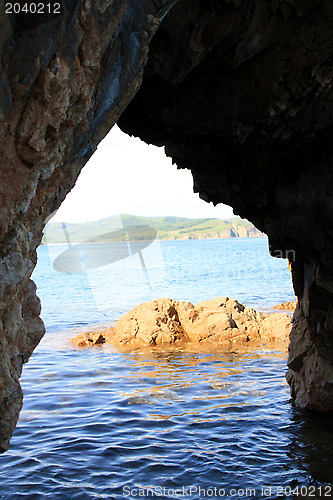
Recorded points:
96,421
311,444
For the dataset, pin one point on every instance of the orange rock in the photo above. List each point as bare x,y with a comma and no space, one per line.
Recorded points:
219,321
88,339
276,327
150,323
286,306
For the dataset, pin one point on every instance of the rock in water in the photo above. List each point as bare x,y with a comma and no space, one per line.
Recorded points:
88,339
239,92
220,321
286,306
151,323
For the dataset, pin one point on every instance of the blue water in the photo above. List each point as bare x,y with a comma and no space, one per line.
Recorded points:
166,423
193,270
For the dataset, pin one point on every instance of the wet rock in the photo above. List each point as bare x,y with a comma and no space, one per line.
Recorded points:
310,373
65,79
240,93
88,339
286,306
221,321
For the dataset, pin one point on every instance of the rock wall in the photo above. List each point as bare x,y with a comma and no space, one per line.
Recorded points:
65,79
241,94
239,91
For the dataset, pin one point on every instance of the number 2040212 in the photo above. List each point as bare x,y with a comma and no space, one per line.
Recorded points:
33,8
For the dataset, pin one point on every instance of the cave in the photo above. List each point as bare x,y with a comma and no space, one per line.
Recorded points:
239,92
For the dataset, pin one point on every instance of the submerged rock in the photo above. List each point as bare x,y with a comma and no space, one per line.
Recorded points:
286,306
219,321
88,339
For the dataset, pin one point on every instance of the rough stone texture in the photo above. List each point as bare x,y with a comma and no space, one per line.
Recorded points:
239,91
220,321
89,339
64,81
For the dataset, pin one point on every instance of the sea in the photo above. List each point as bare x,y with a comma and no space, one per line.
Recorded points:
218,422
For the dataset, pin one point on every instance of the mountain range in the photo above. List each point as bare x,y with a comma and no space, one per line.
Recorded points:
143,228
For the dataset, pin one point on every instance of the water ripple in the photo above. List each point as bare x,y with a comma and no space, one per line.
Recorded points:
164,419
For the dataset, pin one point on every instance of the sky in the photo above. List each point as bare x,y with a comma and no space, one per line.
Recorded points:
128,176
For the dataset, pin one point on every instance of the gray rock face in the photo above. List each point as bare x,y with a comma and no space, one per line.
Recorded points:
239,92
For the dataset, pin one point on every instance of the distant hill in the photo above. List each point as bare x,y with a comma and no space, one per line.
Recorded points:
167,228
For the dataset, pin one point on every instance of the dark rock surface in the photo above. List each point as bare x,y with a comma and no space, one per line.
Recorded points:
64,81
239,91
241,94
